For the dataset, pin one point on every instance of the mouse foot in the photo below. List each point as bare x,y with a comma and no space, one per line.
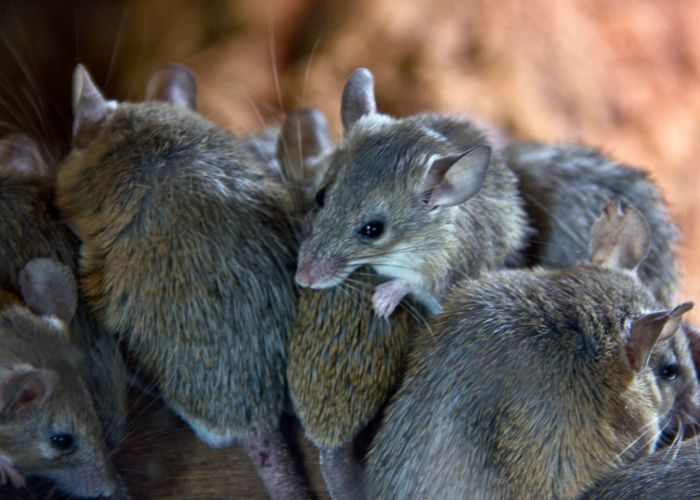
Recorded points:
340,473
388,295
8,471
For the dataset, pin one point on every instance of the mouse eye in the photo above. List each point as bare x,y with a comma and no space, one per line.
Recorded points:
372,230
320,196
63,441
669,372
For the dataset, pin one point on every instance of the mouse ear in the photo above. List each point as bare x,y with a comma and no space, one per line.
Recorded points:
620,239
648,329
19,154
303,144
452,180
23,387
90,110
49,288
358,97
173,83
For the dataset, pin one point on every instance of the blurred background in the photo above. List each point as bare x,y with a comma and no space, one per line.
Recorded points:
620,75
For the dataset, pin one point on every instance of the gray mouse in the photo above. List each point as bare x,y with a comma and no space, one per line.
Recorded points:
188,258
48,424
664,474
565,186
421,199
342,360
533,383
31,229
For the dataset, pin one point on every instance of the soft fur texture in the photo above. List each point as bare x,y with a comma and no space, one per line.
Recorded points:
521,390
565,186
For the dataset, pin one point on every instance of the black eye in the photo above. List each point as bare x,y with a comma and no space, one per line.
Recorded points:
320,196
62,441
373,229
669,372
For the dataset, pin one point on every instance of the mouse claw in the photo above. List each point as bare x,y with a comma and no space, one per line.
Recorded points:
387,296
8,471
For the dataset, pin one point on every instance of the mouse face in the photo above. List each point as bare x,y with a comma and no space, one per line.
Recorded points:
421,199
673,368
48,424
374,210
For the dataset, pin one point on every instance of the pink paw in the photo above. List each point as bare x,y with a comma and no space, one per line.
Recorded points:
8,471
388,295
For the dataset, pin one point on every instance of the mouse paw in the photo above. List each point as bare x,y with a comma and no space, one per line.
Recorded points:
388,295
8,472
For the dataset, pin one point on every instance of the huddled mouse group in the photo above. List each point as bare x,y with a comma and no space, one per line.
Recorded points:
502,314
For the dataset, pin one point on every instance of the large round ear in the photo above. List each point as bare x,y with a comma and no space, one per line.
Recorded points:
19,154
23,387
620,239
452,180
173,83
648,329
49,288
303,144
90,110
358,97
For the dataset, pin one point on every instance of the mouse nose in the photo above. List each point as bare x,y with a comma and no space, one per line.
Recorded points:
310,273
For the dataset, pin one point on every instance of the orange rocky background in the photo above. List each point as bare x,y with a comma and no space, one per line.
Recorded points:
623,75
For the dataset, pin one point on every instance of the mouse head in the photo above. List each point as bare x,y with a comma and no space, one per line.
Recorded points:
650,339
111,138
48,425
391,191
20,156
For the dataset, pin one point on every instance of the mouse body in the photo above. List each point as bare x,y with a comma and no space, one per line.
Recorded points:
565,186
664,474
421,199
49,426
342,360
533,383
187,258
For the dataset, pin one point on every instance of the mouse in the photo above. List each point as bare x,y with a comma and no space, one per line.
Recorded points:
48,424
533,382
342,360
565,186
663,474
31,228
421,199
187,258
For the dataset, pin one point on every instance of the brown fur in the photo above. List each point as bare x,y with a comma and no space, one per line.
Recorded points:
187,258
522,389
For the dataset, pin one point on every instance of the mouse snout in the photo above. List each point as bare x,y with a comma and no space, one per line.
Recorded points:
317,274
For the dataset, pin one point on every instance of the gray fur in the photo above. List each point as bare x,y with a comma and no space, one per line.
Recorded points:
186,258
665,474
521,390
379,173
565,186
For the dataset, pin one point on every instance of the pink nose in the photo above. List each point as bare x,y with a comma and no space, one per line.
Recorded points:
310,273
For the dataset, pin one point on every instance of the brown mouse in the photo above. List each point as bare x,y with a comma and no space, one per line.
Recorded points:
48,424
31,229
664,474
421,199
343,360
188,258
533,383
564,187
